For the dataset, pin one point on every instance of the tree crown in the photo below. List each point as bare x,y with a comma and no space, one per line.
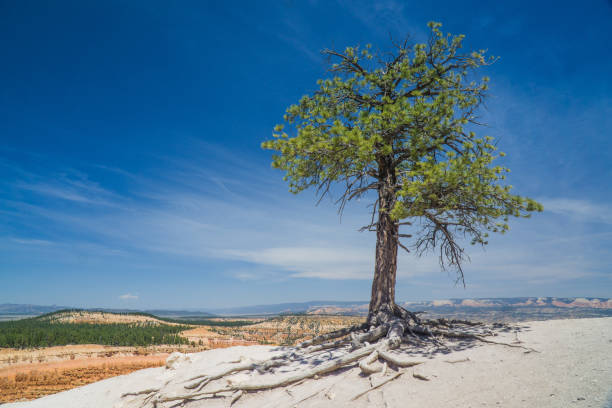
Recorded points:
404,123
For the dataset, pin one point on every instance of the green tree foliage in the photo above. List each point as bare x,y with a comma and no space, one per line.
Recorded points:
403,124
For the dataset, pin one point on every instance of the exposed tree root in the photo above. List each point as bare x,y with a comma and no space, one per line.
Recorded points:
280,382
463,335
420,377
388,357
463,360
247,365
143,392
366,364
377,386
235,397
366,344
332,335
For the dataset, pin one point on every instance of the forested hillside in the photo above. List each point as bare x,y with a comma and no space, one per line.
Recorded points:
37,332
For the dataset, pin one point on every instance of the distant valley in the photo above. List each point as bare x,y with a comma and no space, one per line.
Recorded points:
547,305
50,351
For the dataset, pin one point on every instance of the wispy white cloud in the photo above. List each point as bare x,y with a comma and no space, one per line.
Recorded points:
58,192
27,241
581,209
311,262
279,237
539,264
335,262
128,296
72,186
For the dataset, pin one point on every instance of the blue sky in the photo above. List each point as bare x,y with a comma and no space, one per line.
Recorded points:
131,173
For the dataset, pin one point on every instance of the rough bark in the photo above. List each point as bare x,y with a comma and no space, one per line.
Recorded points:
385,269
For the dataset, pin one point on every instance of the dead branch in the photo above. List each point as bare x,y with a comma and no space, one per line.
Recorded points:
143,392
377,386
420,377
463,360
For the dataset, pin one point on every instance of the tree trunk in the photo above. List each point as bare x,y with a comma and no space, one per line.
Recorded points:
383,285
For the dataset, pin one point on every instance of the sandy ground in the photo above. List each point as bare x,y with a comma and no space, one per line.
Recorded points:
84,363
33,373
21,386
32,358
573,368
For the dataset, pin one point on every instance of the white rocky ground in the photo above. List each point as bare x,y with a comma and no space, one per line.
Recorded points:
573,368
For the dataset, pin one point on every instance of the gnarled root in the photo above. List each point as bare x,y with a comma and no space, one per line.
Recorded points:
282,381
385,355
332,335
366,344
242,366
366,364
377,386
463,335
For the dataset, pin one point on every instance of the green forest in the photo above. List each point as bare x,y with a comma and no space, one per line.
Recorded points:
36,332
46,330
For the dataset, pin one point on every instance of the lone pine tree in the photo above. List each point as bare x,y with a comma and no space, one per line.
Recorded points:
399,128
402,125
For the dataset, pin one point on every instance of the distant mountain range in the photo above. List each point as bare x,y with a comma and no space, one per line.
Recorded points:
274,309
352,308
343,308
8,309
26,310
595,303
281,308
